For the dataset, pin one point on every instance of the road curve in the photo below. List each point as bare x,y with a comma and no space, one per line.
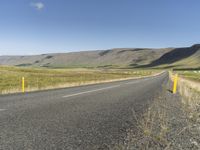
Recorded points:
85,117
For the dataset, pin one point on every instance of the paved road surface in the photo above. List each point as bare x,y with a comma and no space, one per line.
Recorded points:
86,117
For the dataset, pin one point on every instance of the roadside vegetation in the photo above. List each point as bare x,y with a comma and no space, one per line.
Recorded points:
156,128
172,121
43,78
193,75
190,94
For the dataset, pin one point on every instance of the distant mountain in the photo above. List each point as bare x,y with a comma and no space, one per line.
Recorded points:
188,57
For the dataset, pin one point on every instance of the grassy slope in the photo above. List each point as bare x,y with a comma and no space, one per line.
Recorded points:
193,75
186,57
192,61
37,78
105,58
179,58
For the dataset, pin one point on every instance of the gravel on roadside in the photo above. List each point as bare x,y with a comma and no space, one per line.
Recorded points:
164,126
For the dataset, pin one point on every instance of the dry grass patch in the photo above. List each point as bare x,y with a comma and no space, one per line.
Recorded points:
42,78
152,127
168,123
190,93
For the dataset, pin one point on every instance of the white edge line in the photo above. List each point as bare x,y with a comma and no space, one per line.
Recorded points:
110,87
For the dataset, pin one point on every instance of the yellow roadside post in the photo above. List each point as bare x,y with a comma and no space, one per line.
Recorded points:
23,85
175,84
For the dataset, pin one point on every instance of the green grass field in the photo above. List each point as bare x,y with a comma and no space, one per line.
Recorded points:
193,75
42,78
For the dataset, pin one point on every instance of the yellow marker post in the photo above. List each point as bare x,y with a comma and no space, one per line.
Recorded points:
23,85
175,83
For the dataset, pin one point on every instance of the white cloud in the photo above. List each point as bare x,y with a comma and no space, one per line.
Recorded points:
38,5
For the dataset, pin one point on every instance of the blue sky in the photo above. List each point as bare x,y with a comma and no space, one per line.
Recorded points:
50,26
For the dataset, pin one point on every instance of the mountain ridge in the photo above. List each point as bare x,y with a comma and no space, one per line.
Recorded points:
112,58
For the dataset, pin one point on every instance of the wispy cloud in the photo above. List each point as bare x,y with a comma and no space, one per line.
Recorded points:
37,5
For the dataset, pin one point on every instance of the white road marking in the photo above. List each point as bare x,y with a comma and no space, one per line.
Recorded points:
2,109
131,82
110,87
136,81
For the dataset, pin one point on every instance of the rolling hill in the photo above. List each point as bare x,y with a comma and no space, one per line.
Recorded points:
187,57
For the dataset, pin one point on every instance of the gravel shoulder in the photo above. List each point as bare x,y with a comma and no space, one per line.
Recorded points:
166,124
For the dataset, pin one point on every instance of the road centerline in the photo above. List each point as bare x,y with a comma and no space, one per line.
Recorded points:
2,109
85,92
133,82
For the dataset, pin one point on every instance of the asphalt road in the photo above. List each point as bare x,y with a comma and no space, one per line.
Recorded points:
86,117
